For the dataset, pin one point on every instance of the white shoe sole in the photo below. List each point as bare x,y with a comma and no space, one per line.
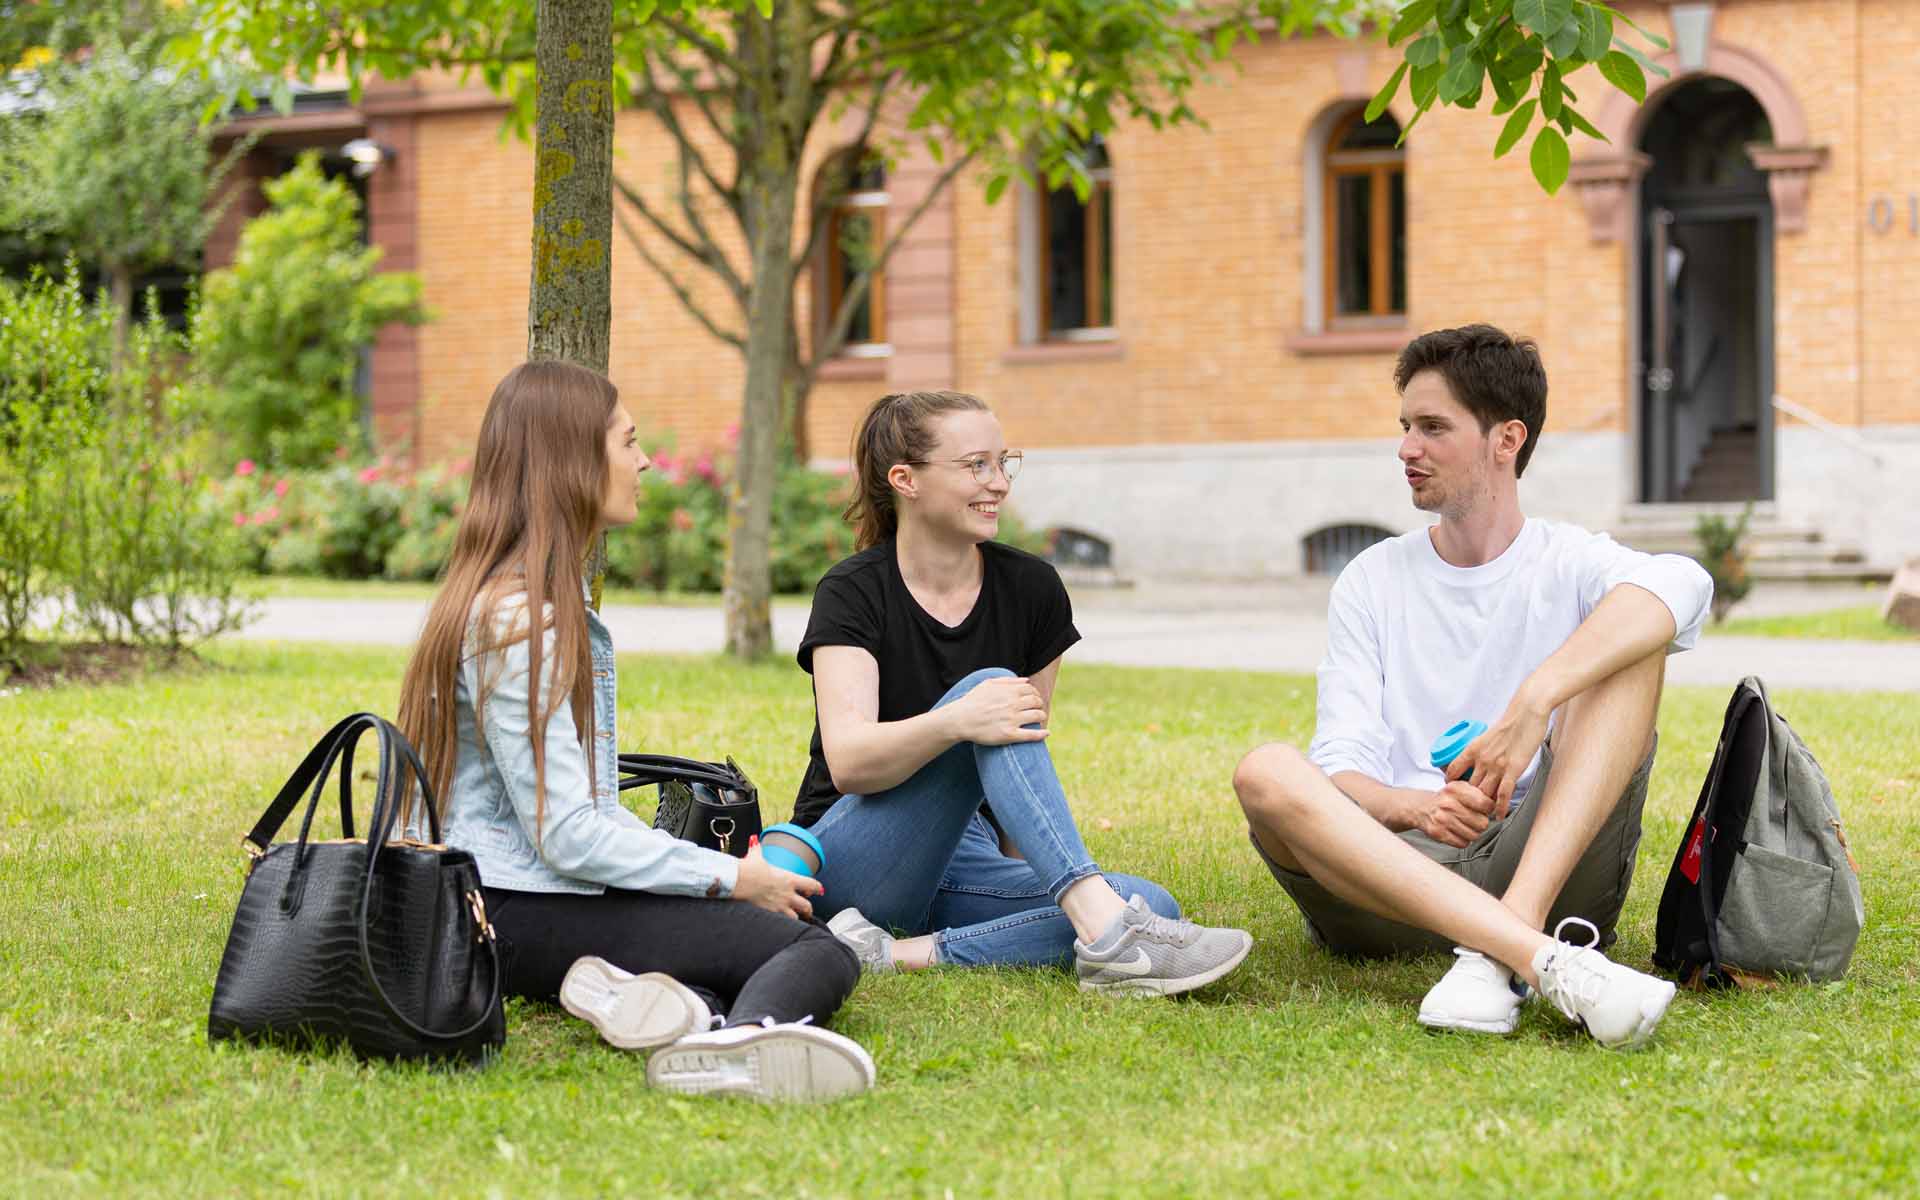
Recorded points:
631,1012
792,1063
1462,1025
1149,986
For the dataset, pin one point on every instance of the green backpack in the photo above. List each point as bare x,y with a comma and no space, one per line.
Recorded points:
1763,883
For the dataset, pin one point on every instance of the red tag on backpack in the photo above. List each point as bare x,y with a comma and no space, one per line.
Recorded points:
1690,861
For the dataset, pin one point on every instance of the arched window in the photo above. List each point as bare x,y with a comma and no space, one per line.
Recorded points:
1365,219
1329,550
856,232
1067,258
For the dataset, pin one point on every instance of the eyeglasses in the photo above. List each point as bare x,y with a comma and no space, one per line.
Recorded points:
981,465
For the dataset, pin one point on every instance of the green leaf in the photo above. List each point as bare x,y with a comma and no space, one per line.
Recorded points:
1525,60
1544,17
1504,90
1550,159
1658,42
1463,76
1384,96
1424,52
1596,33
1624,73
1550,92
282,95
1565,41
1516,128
1424,84
1579,122
766,9
1412,17
995,186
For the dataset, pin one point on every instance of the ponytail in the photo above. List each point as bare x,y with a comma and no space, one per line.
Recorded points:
898,428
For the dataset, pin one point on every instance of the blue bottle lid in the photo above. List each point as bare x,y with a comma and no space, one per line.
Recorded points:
1448,745
786,859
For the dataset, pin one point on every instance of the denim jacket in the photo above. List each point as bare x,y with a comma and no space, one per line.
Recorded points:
589,841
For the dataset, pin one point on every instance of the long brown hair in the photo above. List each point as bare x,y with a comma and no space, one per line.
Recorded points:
898,428
539,480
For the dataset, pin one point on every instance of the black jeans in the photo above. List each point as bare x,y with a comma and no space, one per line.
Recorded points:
745,962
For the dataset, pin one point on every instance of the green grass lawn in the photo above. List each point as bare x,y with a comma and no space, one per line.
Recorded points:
121,810
1861,622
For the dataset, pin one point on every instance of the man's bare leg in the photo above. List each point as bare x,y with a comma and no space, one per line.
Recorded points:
1306,823
1604,735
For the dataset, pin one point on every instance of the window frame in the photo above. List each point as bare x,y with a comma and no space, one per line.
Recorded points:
872,204
1099,207
1379,167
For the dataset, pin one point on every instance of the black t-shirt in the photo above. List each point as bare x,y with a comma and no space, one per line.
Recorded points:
1022,621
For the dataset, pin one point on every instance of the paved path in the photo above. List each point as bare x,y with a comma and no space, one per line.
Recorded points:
1267,627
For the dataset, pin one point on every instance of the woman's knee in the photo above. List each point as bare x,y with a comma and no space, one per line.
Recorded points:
1159,899
969,682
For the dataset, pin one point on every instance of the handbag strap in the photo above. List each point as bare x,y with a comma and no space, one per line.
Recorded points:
312,770
386,812
639,770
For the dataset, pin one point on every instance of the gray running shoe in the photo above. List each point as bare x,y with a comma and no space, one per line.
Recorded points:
1155,956
767,1062
872,945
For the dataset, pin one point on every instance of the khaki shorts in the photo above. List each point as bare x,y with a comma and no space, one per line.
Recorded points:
1596,890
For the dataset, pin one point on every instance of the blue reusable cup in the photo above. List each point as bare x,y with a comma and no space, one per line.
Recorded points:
792,848
1448,745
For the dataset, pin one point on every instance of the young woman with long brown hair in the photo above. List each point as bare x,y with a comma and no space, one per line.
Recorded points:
934,652
645,936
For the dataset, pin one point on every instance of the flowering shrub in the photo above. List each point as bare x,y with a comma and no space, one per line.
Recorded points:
362,520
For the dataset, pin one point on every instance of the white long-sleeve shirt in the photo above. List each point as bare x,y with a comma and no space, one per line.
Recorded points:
1415,644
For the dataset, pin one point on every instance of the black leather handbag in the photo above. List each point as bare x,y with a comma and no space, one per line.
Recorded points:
709,804
382,944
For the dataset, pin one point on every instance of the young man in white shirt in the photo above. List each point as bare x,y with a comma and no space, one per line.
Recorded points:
1553,636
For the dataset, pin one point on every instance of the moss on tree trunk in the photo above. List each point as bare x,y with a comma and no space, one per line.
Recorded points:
570,310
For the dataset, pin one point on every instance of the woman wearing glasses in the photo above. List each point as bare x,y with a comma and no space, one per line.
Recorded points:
934,652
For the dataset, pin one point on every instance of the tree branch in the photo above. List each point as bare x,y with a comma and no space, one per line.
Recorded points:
706,251
715,52
842,169
661,105
680,290
690,84
835,337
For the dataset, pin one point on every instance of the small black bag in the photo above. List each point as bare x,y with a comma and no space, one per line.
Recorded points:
383,944
709,804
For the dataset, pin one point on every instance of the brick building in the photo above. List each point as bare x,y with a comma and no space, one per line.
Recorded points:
1198,361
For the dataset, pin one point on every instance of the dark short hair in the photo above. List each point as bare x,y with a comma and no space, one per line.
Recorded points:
1497,376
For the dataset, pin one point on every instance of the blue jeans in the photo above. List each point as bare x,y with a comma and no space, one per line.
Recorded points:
921,857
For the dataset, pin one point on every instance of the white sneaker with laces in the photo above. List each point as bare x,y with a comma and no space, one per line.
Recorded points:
1618,1005
631,1011
1476,994
792,1061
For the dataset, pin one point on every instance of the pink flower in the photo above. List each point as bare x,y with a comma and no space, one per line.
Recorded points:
339,453
280,489
841,470
732,435
272,514
239,519
704,469
682,520
664,460
370,474
244,467
462,466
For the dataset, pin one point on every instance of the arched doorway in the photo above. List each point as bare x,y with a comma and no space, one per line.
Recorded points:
1706,283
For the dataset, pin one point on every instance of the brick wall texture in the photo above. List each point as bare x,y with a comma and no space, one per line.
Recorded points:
1210,263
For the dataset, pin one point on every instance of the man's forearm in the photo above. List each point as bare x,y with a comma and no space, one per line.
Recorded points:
1629,624
1391,806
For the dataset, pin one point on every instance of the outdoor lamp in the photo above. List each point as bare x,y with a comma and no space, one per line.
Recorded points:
366,155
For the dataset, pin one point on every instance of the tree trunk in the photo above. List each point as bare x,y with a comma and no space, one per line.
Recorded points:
570,307
776,92
570,302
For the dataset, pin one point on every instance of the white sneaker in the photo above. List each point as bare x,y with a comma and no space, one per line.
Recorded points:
795,1061
1475,994
872,945
1618,1005
631,1011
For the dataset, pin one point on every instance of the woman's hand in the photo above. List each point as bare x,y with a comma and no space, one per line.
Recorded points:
997,713
762,884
